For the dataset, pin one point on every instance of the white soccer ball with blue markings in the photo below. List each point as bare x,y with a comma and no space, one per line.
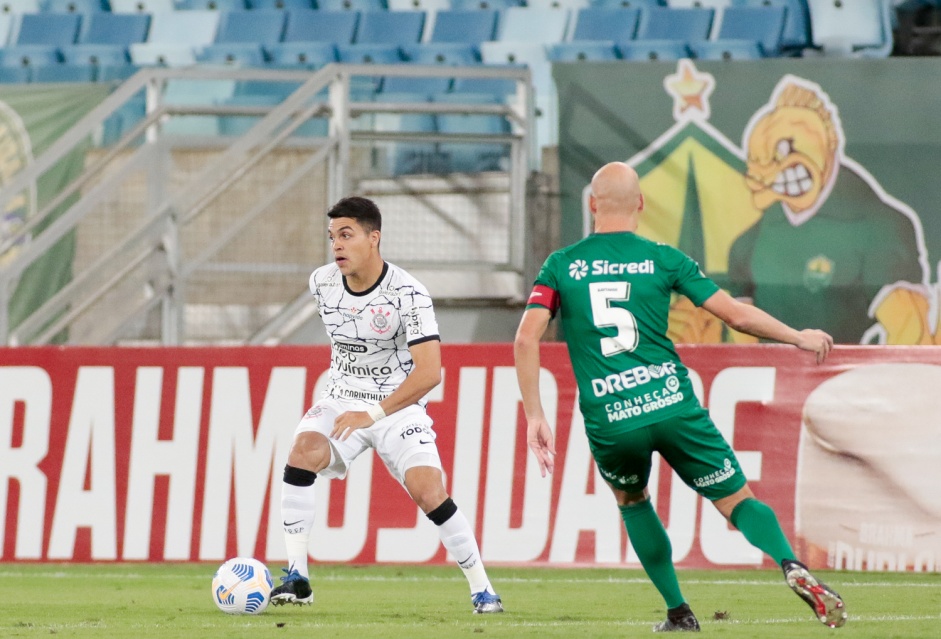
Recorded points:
242,586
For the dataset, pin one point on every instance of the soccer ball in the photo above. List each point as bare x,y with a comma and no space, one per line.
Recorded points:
241,586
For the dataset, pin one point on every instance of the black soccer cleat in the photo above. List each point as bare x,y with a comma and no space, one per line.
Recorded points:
679,619
826,604
295,589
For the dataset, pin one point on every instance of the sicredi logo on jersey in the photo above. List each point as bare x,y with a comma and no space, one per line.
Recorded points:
579,268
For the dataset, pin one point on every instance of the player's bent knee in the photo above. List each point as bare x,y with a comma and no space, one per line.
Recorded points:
311,451
726,505
625,498
426,486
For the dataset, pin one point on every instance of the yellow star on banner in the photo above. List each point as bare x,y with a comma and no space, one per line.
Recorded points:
690,90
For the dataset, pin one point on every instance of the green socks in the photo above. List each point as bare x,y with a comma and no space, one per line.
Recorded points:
653,548
753,518
760,526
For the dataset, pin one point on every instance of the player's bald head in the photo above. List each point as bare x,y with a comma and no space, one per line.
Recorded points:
616,188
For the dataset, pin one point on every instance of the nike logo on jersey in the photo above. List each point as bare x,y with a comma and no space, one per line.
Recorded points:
422,441
293,523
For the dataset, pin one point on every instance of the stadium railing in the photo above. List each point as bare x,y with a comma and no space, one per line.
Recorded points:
209,239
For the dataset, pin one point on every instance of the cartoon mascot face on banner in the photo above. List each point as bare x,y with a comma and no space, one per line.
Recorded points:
794,149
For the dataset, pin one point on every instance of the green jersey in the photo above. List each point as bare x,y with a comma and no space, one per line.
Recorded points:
613,293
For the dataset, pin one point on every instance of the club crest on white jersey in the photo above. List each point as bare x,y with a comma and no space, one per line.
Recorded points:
370,332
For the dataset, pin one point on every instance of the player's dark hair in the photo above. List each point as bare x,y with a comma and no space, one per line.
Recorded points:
361,209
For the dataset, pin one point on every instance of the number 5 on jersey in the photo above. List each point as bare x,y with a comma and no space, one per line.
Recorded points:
605,315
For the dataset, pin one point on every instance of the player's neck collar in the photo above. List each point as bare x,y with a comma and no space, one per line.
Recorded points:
382,276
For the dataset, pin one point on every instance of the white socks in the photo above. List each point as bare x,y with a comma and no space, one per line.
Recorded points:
458,539
297,517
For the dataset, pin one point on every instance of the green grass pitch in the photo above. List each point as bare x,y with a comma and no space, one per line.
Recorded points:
162,601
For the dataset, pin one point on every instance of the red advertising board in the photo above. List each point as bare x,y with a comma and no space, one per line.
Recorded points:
177,453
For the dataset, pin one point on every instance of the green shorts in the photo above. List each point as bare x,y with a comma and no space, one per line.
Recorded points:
689,442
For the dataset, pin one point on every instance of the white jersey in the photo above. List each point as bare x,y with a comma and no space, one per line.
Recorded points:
370,332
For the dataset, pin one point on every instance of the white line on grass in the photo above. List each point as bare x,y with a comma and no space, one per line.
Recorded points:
326,575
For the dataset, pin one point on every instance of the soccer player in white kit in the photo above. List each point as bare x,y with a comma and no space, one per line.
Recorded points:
386,356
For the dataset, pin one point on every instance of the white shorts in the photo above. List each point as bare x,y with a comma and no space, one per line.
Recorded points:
403,440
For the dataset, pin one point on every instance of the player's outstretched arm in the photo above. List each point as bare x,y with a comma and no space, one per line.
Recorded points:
749,319
526,354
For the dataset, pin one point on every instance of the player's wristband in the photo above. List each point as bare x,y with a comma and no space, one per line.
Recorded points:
375,412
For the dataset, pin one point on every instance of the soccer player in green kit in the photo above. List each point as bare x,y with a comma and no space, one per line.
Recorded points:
612,292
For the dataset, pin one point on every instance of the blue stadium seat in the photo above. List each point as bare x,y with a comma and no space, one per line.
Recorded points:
321,26
370,54
211,5
379,40
699,4
796,34
522,24
626,4
29,55
513,53
114,28
141,6
162,54
63,73
365,86
664,23
105,38
861,28
572,5
390,27
419,5
14,75
181,91
423,87
473,157
765,25
310,55
490,88
592,50
195,27
726,50
281,5
242,54
76,6
470,27
451,53
96,55
530,54
20,6
408,158
58,29
175,37
351,5
653,50
265,26
471,5
616,25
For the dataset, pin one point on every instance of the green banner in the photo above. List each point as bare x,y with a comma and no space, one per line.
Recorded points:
801,185
32,117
